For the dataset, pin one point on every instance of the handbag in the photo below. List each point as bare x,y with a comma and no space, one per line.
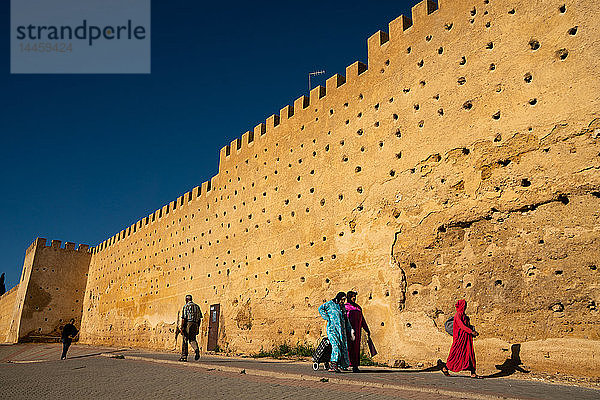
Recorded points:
372,348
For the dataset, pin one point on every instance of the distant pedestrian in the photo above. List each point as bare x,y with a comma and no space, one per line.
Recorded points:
338,329
2,287
462,353
190,322
68,333
357,322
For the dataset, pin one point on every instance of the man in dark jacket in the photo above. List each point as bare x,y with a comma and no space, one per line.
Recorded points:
190,321
68,333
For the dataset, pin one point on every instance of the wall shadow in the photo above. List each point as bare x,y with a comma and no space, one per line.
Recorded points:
511,365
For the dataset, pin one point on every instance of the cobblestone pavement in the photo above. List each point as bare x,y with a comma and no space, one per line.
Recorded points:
31,371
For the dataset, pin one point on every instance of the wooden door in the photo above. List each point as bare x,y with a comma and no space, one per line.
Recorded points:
213,327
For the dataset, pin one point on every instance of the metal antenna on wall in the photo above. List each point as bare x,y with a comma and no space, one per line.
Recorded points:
313,74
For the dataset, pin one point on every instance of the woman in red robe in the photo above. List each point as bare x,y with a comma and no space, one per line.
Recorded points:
462,354
357,321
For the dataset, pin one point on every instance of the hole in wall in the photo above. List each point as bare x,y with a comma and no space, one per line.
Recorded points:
512,12
420,64
467,105
562,54
440,112
562,9
527,77
573,31
492,67
534,44
525,182
490,45
441,50
448,26
498,282
533,102
463,60
462,80
563,199
496,115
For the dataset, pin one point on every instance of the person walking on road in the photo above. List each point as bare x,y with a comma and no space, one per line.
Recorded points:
462,353
357,322
190,322
68,333
338,329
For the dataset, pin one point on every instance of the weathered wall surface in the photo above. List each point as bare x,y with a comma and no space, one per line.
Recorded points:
462,163
12,335
55,288
49,293
7,305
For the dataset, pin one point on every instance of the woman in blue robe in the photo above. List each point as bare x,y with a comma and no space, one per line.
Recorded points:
338,329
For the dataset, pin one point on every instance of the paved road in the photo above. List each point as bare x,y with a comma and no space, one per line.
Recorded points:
35,373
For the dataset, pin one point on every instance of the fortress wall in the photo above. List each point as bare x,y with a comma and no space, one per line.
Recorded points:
7,305
54,284
12,335
462,163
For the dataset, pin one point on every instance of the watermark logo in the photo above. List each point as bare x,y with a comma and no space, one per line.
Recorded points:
80,36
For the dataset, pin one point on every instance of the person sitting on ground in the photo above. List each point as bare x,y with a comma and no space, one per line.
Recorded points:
190,322
357,322
338,329
68,333
462,353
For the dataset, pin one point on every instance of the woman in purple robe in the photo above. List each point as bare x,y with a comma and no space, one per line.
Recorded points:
357,321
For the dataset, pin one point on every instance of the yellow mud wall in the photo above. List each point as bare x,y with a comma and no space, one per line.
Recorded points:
7,305
54,290
462,163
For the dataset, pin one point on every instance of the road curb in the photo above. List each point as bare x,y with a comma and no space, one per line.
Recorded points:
330,378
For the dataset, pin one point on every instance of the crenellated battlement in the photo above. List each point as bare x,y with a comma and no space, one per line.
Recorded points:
56,244
238,150
399,29
181,202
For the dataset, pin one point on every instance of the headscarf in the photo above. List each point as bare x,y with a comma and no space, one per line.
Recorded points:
461,306
339,296
351,294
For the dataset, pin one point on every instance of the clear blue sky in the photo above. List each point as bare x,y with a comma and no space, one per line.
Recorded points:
84,156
